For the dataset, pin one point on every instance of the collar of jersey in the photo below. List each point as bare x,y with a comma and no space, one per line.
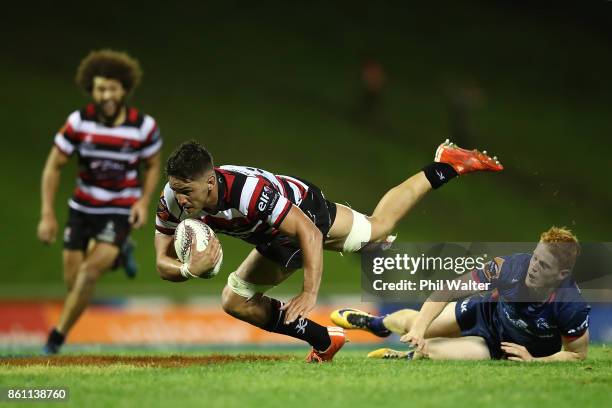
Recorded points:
221,192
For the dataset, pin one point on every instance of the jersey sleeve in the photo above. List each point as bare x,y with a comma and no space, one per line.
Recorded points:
66,139
499,272
573,318
152,138
167,215
259,201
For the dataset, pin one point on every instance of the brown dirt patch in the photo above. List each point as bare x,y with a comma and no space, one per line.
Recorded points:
139,361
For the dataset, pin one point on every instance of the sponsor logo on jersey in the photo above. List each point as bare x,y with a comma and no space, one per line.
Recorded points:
542,324
520,323
267,199
582,327
493,268
126,147
162,209
88,143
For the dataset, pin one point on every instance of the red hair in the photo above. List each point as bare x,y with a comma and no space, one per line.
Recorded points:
563,244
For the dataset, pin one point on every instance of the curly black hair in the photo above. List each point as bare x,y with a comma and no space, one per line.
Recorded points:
108,64
189,161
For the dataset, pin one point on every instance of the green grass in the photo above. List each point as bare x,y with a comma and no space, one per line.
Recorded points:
350,381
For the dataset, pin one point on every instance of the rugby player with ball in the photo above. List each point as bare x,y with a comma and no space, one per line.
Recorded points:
290,222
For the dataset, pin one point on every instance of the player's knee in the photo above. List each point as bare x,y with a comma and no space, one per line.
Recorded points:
91,272
226,299
69,280
400,321
71,264
71,268
232,304
381,228
70,275
360,233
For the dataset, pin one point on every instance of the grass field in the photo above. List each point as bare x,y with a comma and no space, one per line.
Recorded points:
238,379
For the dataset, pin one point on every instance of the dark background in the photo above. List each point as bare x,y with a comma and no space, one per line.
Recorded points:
280,86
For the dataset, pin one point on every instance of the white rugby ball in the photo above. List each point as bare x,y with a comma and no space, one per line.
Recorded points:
188,230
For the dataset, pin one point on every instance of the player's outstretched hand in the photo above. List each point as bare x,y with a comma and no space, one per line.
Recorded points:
516,352
299,306
201,262
138,214
47,229
415,338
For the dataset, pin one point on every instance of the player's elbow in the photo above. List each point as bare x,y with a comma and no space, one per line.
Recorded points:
313,236
574,355
51,171
308,234
582,355
162,270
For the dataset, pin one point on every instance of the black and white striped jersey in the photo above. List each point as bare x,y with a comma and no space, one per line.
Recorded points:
252,204
109,158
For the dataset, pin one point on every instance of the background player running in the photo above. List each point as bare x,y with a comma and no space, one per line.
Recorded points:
534,310
290,222
110,140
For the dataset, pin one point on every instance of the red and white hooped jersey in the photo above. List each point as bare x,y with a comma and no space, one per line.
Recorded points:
252,204
109,158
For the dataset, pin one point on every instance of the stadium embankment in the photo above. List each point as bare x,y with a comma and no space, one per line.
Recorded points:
197,321
151,321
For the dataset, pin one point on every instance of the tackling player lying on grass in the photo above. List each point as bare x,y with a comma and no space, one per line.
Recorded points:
112,141
534,312
290,222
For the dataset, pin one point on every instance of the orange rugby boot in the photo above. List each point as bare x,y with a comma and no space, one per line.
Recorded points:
466,161
338,339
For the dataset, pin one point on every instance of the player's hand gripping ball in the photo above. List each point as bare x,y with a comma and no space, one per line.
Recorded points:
185,233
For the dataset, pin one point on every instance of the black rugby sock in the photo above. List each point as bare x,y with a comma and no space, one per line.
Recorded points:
439,174
303,329
55,338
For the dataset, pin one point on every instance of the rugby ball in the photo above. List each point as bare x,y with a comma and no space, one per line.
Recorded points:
189,230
